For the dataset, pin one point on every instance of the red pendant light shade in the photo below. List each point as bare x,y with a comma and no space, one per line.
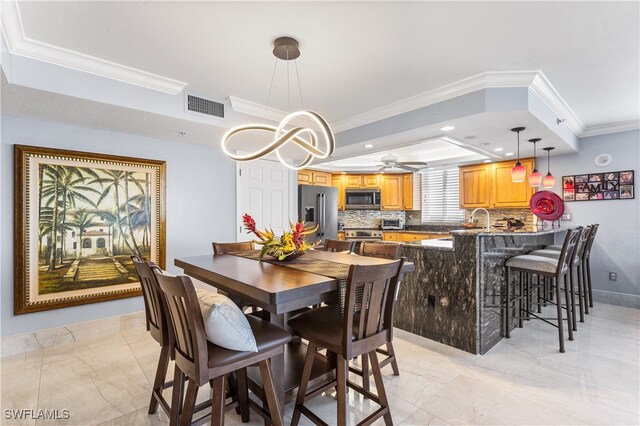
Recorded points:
518,172
535,177
549,181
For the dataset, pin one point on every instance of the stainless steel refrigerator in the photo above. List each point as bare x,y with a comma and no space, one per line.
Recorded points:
319,205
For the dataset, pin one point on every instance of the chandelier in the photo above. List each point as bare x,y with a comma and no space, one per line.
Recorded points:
305,137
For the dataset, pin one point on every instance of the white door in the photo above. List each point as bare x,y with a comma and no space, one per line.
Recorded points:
267,191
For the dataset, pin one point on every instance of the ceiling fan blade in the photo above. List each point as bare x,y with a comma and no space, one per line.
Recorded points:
382,169
407,168
413,163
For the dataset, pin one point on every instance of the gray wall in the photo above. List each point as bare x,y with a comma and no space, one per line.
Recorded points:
617,245
200,206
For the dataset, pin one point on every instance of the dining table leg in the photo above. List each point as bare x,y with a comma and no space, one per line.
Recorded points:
277,365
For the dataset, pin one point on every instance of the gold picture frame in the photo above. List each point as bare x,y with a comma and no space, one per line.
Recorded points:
78,217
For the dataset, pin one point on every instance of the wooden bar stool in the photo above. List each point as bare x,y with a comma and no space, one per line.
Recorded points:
337,245
557,270
360,330
202,361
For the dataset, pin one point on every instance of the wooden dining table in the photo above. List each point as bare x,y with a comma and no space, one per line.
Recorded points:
279,290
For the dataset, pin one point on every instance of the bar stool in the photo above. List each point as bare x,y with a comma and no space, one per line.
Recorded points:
360,330
391,252
201,361
338,245
557,270
577,265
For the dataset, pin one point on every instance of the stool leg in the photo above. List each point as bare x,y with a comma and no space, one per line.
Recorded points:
190,403
217,401
270,393
176,398
573,299
585,290
567,302
540,294
394,360
382,394
560,325
341,378
520,299
589,283
158,383
580,292
304,382
243,395
365,373
507,303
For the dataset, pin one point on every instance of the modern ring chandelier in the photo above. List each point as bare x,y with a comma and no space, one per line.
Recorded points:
286,49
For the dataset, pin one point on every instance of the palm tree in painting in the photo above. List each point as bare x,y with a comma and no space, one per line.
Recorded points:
111,184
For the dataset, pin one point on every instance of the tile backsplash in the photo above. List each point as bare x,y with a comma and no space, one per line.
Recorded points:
495,214
367,218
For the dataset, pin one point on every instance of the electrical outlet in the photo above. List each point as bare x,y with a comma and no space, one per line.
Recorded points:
613,276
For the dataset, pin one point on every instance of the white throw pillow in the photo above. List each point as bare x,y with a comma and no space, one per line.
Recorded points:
224,323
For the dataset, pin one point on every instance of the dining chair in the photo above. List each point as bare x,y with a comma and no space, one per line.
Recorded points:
359,330
555,269
202,362
157,321
338,245
384,251
223,248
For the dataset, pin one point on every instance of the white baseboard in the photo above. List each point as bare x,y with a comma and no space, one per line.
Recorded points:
620,299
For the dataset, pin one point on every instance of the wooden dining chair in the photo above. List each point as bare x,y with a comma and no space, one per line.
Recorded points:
157,320
391,252
202,362
382,250
338,245
359,331
223,248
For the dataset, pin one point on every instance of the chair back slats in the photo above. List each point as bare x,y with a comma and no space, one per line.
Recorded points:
222,248
338,245
186,321
568,249
382,250
589,244
375,305
155,308
582,245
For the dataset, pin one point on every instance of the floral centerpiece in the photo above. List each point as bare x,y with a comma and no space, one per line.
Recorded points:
289,245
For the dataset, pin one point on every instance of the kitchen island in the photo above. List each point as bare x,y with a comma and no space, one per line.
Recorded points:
455,294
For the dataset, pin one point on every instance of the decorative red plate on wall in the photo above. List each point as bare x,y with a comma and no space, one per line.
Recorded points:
547,205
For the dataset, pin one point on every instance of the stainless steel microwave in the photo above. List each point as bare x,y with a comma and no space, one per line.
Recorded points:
362,199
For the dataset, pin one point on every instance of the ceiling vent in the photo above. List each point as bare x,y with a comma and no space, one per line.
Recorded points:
204,106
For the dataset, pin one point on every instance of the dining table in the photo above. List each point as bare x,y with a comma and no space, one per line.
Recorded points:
280,289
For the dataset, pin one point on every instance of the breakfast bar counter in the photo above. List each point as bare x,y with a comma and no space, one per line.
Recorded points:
455,295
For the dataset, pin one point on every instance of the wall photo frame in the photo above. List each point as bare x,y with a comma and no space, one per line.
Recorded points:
599,186
79,217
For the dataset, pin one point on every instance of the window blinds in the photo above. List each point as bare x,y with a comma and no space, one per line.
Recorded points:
441,195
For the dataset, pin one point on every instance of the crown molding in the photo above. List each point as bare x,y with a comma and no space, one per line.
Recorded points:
602,129
542,87
449,91
255,109
19,44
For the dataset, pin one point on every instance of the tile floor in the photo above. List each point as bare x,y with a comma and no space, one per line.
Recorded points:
524,380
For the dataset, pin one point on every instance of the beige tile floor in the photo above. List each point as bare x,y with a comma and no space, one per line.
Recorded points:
524,380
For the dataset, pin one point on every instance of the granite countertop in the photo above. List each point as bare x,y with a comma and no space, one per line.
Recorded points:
434,244
496,231
413,231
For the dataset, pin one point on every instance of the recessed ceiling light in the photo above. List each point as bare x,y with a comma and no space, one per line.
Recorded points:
447,128
487,161
344,173
369,145
182,133
499,149
508,154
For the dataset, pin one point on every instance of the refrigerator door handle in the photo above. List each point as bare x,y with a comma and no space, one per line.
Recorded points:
318,213
324,214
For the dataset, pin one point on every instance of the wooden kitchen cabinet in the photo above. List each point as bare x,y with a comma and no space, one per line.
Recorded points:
371,181
506,194
490,186
338,181
475,186
411,188
341,235
391,192
353,181
390,236
314,177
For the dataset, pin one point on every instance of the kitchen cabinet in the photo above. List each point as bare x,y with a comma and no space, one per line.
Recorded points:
353,181
411,188
390,236
371,181
490,186
391,192
338,181
314,177
341,235
409,236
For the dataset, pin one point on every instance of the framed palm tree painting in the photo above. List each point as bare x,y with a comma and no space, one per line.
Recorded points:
79,217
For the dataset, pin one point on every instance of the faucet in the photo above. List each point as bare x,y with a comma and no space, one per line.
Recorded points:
473,213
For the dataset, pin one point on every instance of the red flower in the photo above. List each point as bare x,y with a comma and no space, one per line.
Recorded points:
249,223
298,234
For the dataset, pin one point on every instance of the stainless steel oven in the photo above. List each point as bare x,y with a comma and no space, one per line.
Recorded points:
363,235
362,199
392,224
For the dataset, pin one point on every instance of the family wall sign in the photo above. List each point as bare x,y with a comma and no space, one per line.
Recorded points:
599,186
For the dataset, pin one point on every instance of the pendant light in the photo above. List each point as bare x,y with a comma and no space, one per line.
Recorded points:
549,181
518,171
535,177
287,49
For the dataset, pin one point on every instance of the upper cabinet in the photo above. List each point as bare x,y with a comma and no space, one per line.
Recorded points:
314,177
411,191
339,181
490,186
391,192
371,181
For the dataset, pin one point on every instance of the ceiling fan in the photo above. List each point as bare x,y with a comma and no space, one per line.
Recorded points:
390,161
